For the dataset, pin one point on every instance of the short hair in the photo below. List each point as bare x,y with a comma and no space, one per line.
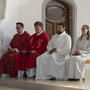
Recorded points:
19,23
39,24
62,24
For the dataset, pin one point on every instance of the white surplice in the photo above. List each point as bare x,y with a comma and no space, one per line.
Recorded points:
53,65
76,64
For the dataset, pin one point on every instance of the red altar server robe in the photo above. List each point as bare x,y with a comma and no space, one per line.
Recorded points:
7,62
37,43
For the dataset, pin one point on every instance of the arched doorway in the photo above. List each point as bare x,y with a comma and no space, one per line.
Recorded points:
56,12
70,18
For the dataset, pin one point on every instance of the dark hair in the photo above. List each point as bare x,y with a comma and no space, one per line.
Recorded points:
19,23
88,33
62,24
39,24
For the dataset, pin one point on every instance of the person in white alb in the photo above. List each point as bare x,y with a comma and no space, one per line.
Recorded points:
80,53
51,64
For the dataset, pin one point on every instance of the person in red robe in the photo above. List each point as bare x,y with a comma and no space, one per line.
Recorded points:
37,44
7,62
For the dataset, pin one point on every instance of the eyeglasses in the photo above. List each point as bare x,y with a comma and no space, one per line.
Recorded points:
84,28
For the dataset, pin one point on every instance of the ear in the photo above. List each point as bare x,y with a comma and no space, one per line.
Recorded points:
64,28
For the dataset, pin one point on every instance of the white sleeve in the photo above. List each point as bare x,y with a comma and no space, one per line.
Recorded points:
75,46
83,52
50,46
87,51
67,47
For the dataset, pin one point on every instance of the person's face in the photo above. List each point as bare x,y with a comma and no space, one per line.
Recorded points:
60,28
84,30
19,28
38,29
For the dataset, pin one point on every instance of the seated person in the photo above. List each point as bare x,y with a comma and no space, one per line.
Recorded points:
52,63
7,62
80,53
37,44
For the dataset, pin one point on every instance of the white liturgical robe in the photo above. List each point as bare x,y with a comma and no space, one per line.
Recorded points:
76,64
53,65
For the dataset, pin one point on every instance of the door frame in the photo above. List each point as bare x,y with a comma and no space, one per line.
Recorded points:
73,19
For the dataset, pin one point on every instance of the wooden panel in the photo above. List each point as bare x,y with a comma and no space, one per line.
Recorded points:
54,12
49,29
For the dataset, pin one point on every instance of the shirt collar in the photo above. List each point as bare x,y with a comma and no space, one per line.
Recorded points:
22,32
39,33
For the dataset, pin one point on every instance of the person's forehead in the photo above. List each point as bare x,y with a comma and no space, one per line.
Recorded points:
18,25
59,25
37,25
84,28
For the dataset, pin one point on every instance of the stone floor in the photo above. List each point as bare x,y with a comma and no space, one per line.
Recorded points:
31,84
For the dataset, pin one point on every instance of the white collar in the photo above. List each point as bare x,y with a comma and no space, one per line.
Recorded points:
22,32
40,33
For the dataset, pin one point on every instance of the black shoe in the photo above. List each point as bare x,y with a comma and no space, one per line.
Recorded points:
34,77
77,79
25,75
52,78
73,79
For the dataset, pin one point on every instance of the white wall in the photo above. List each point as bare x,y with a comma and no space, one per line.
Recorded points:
29,11
83,14
7,25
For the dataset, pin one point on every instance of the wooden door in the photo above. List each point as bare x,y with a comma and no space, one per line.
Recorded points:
56,12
